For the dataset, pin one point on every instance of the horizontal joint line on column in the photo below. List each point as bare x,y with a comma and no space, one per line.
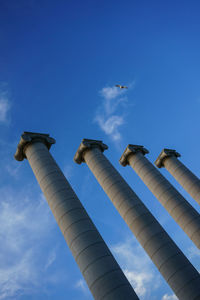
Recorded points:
163,245
122,190
157,179
69,212
193,218
108,176
169,258
56,180
70,244
163,193
94,158
181,167
99,242
64,200
42,157
153,236
117,287
54,171
182,202
154,221
115,183
134,159
96,259
142,227
36,171
193,185
194,233
170,198
182,267
149,171
131,197
189,283
132,207
195,180
60,190
82,219
100,277
143,166
102,162
36,152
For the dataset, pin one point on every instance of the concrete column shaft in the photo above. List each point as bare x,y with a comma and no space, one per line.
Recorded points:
176,205
184,176
98,266
179,273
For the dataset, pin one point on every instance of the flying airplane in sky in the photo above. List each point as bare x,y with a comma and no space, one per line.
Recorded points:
121,86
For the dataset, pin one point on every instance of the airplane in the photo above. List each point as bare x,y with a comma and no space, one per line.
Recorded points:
121,86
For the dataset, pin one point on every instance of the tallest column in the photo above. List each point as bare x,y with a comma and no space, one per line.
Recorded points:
103,275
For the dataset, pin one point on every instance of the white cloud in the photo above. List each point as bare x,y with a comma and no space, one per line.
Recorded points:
4,109
68,171
25,224
111,92
138,280
81,285
107,115
193,252
169,297
110,126
12,169
137,267
50,259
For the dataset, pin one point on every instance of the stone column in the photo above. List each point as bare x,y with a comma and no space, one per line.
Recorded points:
191,183
176,205
103,275
178,272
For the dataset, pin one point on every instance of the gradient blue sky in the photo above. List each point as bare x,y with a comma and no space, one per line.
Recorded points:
59,62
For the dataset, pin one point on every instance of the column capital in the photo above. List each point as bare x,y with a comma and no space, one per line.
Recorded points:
85,145
31,137
163,155
131,149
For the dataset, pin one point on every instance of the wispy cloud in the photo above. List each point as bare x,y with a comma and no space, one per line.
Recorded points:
169,297
108,116
110,125
111,92
193,252
81,285
4,109
137,268
68,170
25,225
5,106
50,259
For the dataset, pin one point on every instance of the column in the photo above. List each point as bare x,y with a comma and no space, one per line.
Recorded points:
176,205
178,272
103,275
190,182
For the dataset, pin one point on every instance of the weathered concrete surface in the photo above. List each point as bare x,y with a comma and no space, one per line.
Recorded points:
178,272
176,205
103,275
189,181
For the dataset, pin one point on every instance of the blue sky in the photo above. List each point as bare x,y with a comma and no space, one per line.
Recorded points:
59,62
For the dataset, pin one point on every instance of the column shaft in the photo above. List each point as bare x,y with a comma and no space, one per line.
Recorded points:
184,176
179,273
103,275
176,205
